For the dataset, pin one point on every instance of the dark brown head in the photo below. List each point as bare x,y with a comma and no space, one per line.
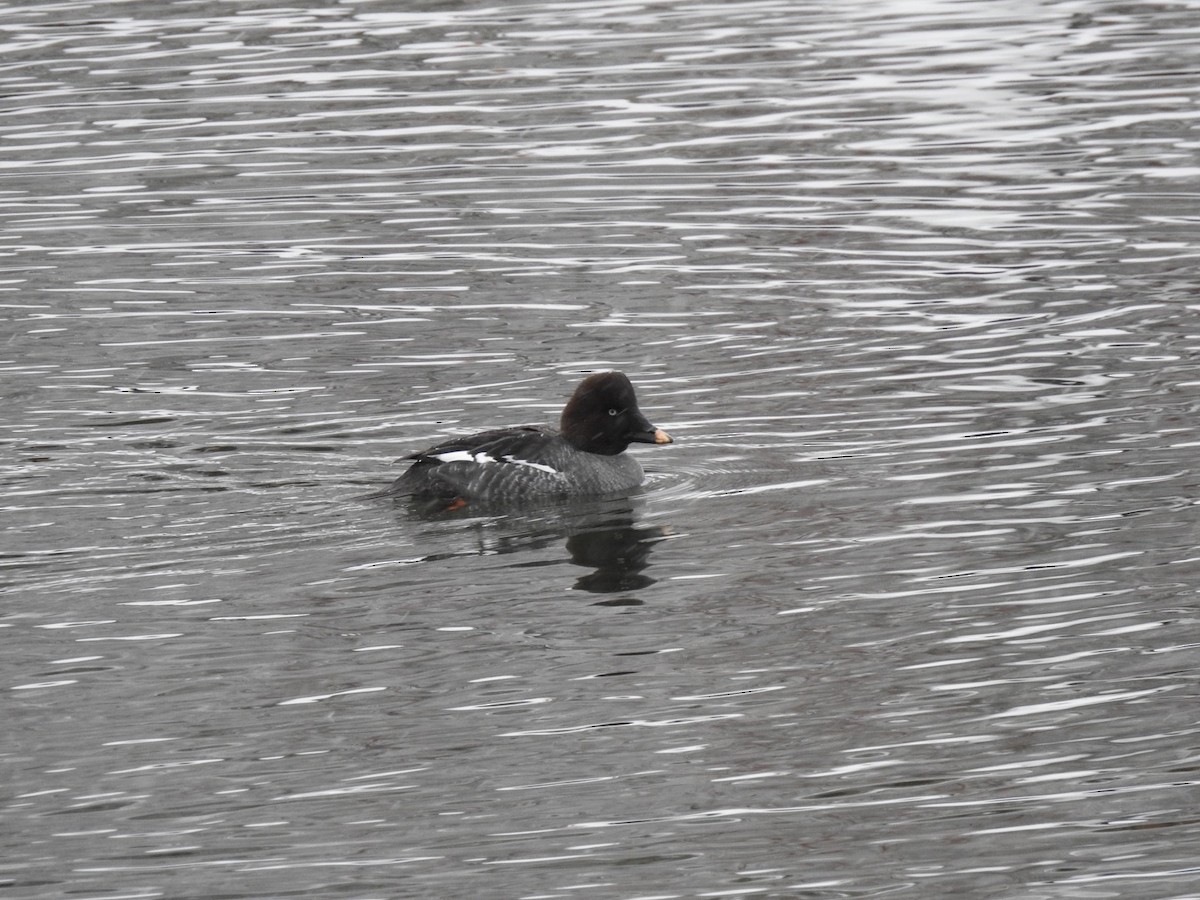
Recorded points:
602,416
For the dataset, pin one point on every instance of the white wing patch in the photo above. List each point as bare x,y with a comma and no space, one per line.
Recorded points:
532,465
482,458
463,456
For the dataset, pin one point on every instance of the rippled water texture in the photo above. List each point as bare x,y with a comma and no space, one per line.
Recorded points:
908,610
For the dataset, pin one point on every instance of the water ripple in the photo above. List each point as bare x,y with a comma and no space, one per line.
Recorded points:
912,289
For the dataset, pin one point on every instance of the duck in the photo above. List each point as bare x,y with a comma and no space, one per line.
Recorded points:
584,457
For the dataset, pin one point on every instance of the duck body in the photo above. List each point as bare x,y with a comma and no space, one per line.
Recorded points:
584,457
519,462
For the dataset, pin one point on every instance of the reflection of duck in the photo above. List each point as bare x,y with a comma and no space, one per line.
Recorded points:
586,457
618,555
599,535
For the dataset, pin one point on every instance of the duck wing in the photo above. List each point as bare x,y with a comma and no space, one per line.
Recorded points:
505,463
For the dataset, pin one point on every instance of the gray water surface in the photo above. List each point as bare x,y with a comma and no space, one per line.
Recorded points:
909,608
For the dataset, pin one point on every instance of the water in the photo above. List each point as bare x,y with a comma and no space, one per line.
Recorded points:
908,609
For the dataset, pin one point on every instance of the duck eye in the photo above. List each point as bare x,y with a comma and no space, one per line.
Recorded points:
613,412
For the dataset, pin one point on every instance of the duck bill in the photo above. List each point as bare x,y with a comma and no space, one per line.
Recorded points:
652,435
